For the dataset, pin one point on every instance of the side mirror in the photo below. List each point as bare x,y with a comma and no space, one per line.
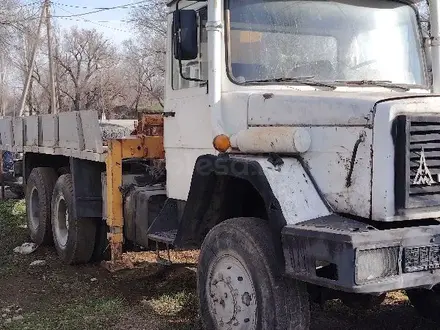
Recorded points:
185,35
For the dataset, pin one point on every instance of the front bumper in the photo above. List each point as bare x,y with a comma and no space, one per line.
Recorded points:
360,258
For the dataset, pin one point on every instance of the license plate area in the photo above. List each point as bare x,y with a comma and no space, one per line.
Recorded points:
421,258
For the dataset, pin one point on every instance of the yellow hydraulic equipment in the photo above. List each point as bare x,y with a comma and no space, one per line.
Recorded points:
139,146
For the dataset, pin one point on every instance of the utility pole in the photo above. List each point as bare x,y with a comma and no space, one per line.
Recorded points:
57,76
53,102
26,68
32,63
2,84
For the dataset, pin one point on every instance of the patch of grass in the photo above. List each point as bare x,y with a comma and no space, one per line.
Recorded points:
396,297
19,209
12,214
87,314
172,304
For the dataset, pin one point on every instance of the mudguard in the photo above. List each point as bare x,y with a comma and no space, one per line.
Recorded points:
284,185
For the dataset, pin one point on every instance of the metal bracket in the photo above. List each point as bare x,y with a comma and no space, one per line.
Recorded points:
169,114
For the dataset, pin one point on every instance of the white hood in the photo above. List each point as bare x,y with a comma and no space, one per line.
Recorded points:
315,108
351,155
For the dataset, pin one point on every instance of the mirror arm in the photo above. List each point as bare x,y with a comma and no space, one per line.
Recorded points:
189,78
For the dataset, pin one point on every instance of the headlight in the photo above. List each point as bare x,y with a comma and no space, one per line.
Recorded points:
376,264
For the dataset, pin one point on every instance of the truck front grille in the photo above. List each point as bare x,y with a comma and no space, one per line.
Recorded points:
417,141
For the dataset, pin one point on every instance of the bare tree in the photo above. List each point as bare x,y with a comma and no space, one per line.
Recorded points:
18,23
146,56
12,23
150,19
83,57
144,73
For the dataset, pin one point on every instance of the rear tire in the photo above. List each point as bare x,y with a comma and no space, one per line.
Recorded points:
240,281
74,238
426,302
39,188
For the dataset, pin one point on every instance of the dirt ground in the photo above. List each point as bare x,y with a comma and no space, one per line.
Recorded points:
54,296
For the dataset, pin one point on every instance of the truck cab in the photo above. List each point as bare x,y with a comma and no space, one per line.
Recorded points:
318,118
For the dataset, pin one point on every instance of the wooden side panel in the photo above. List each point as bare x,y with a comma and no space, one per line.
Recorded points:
70,132
49,131
18,130
6,134
91,131
31,131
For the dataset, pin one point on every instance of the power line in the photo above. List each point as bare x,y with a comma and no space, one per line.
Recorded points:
132,5
95,22
88,21
98,10
30,4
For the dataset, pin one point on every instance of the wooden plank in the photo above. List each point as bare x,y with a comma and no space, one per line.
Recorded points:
91,132
6,131
18,129
41,134
31,131
49,130
70,131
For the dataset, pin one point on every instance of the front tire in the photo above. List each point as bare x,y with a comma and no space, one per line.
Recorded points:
426,302
240,282
74,238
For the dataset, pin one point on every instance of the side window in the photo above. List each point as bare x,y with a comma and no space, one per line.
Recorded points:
197,68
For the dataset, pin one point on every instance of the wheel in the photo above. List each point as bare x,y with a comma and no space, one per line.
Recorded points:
240,283
426,302
39,189
74,238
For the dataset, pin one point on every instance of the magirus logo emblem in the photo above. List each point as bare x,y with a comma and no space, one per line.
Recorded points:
423,175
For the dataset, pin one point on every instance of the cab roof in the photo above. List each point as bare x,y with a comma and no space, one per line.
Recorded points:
172,2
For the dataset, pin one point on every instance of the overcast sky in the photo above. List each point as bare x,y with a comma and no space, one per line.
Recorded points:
109,22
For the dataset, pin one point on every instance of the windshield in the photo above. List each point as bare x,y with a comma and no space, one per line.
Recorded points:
324,41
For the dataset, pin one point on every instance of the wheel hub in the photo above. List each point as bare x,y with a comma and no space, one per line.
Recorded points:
34,209
233,301
61,221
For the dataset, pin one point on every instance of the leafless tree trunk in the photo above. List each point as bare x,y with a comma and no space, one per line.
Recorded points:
83,55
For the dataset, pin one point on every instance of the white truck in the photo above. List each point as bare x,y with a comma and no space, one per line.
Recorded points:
302,154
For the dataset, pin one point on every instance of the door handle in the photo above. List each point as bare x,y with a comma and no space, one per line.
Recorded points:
169,114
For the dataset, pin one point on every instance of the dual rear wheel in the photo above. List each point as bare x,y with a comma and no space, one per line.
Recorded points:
50,217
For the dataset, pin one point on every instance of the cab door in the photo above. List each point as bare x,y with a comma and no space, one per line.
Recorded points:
188,131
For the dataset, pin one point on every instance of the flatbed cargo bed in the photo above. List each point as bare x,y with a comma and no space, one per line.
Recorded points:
78,134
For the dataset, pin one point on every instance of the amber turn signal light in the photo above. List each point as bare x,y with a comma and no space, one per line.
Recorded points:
222,143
